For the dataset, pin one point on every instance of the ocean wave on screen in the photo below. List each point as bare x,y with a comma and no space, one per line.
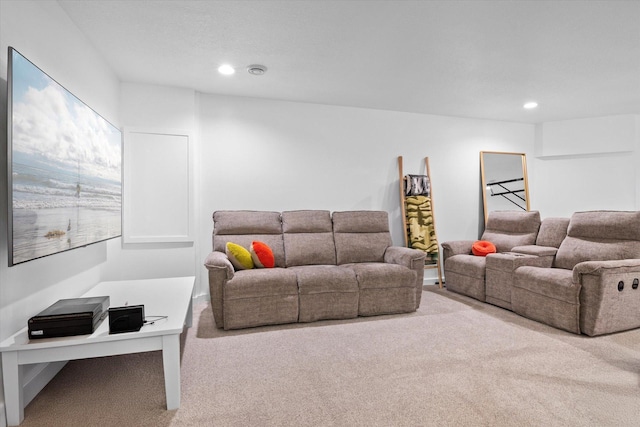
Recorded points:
98,203
43,191
67,190
54,205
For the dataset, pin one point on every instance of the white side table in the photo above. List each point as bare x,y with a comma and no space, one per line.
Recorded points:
171,297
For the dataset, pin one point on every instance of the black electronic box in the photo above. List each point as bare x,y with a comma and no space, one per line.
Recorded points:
75,316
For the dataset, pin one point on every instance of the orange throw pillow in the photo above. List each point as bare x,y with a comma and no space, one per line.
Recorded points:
262,255
483,248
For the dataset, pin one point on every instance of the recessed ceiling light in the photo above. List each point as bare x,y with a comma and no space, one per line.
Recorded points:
256,69
226,69
530,105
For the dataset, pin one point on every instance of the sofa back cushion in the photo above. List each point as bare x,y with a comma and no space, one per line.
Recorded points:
361,236
243,227
552,232
308,238
507,229
600,236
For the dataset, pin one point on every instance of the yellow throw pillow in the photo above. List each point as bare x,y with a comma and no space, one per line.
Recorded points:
239,256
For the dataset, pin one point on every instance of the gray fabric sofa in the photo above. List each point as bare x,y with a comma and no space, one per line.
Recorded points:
580,275
327,266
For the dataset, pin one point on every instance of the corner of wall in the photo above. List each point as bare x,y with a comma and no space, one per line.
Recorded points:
637,160
3,417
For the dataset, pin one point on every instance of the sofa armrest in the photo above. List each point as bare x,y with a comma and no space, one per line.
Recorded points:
456,247
598,268
219,261
220,271
608,301
535,250
410,258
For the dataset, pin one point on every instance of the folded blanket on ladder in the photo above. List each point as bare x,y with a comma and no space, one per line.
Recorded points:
422,234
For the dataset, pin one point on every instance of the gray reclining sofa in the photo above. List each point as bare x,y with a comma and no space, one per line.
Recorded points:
327,266
579,274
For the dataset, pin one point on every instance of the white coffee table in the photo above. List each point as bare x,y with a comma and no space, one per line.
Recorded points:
170,297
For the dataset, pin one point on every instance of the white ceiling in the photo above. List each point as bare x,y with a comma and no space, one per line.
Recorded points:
480,59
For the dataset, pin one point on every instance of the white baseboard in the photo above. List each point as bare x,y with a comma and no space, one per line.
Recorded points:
200,298
430,281
3,416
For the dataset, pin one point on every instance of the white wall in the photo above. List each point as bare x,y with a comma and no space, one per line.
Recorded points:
42,32
274,155
587,164
157,108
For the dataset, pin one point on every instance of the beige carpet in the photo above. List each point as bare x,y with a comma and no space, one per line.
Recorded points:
455,362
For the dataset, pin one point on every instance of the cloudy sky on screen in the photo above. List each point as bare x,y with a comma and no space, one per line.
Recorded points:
50,122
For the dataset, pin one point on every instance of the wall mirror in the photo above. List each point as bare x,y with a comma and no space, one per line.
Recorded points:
504,181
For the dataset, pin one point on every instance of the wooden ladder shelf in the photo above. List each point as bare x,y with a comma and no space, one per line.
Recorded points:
429,263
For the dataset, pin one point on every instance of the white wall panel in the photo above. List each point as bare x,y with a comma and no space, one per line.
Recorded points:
158,186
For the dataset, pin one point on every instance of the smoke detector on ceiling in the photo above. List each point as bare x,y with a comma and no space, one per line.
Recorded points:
256,69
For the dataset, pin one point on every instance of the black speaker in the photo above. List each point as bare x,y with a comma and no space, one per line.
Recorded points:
126,319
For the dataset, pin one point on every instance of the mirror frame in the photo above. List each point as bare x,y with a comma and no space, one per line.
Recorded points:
523,158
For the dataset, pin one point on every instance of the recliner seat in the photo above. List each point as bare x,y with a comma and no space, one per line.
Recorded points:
465,273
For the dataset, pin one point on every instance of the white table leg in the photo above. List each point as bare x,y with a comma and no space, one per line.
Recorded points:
13,392
189,320
171,363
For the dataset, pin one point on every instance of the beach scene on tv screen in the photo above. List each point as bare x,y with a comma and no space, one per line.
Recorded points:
66,168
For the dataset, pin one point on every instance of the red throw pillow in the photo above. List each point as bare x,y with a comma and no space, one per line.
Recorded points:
483,248
262,255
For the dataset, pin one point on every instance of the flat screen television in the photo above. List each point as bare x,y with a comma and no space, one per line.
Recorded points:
64,167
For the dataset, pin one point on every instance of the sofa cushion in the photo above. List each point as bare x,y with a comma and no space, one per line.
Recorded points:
376,275
326,292
618,225
576,250
507,229
246,222
262,282
317,279
468,265
600,236
547,295
361,236
306,221
266,296
384,288
554,283
552,232
308,238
